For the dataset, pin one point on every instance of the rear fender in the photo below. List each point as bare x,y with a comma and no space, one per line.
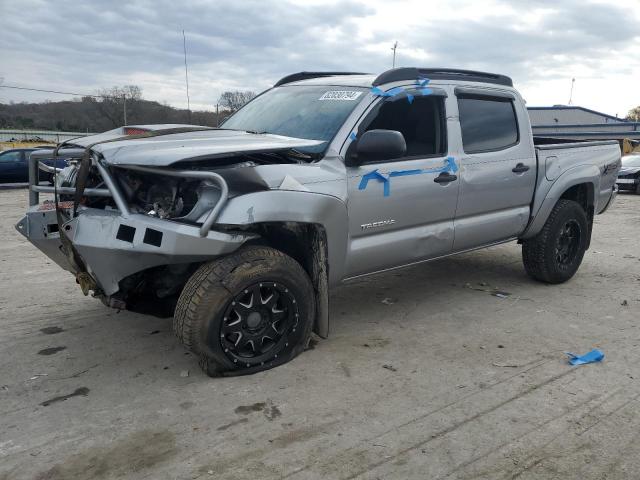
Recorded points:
582,174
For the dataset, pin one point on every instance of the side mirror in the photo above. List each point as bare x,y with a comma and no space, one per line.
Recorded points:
376,145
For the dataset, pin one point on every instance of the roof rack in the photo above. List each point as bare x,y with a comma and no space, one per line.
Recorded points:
294,77
410,73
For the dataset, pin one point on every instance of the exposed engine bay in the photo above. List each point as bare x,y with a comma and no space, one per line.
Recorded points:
177,198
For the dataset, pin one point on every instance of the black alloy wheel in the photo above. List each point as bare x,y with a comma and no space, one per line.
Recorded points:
257,321
568,243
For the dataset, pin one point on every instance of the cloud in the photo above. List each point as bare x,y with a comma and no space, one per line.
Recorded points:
250,44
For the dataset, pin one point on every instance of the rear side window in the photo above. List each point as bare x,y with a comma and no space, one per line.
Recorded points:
488,124
10,157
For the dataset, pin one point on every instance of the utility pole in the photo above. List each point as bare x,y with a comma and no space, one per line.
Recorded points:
573,81
124,107
217,115
395,46
186,72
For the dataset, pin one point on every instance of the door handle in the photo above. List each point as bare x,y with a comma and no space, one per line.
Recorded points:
445,177
520,168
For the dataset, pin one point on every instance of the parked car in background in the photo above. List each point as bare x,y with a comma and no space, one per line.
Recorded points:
14,165
629,174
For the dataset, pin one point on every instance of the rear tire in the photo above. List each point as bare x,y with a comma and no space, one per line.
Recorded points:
247,312
554,255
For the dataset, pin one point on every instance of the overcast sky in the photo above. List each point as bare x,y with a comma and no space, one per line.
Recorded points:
250,44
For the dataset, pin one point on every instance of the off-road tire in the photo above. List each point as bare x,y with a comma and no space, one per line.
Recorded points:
208,294
539,254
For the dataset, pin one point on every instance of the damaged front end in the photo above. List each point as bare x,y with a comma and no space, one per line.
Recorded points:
133,234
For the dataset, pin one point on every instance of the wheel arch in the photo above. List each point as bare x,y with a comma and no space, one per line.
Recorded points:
578,184
309,227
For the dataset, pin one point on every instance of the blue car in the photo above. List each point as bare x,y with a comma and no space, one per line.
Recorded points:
14,165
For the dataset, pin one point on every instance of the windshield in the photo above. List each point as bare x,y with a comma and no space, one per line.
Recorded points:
310,112
631,160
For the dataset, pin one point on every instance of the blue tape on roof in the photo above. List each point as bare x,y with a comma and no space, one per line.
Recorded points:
593,356
449,166
420,82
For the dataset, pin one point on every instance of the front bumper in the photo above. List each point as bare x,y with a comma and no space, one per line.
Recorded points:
111,244
113,247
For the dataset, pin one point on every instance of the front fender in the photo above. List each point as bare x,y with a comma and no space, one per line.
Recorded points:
544,203
296,206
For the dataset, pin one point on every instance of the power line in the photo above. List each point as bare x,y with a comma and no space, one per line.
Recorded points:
54,91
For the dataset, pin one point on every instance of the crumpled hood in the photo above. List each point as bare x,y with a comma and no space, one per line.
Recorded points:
165,150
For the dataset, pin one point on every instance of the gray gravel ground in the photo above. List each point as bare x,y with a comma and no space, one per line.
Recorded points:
426,375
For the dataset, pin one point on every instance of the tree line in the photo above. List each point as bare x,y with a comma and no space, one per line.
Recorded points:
106,110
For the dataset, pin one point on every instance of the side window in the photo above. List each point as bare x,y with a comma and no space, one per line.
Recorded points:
421,122
487,123
10,157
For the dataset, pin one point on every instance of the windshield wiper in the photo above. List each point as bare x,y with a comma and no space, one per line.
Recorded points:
292,152
255,132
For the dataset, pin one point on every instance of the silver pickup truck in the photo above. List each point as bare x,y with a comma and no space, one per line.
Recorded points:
239,232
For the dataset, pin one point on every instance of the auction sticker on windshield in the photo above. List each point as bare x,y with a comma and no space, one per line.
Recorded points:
345,95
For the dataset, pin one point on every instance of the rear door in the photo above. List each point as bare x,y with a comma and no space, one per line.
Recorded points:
498,168
398,213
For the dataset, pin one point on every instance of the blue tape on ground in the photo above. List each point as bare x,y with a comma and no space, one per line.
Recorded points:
593,356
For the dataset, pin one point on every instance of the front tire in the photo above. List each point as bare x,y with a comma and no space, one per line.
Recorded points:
554,255
247,312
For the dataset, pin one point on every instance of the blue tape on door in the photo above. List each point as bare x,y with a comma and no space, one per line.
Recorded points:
593,356
375,175
449,166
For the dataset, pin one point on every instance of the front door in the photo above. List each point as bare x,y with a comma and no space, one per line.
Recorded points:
401,211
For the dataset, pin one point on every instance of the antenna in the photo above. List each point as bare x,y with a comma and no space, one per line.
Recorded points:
573,81
186,73
395,46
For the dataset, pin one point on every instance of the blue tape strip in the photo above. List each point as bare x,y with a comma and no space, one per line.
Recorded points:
353,136
449,166
375,175
593,356
402,173
420,82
